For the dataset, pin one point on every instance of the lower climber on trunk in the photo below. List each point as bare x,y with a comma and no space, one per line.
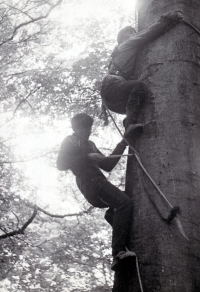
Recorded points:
83,158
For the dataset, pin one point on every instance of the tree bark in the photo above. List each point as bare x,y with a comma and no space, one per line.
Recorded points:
169,148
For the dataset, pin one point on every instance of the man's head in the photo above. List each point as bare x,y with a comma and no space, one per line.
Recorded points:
125,33
82,125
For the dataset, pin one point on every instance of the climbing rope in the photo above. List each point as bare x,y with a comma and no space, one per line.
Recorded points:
138,159
174,210
138,273
137,267
191,25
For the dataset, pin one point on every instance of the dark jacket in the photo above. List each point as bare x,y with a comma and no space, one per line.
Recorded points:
124,57
73,155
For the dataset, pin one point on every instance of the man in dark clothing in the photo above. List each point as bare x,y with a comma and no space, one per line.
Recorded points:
120,92
83,158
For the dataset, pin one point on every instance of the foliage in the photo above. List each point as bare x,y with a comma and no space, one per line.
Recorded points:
51,67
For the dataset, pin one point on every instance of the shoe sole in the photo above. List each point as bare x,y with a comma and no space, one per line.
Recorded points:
124,263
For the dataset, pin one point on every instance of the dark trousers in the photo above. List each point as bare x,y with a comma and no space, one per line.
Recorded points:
114,198
124,97
102,194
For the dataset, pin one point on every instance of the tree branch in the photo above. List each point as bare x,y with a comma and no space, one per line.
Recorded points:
36,209
22,12
21,230
60,216
66,215
21,102
30,21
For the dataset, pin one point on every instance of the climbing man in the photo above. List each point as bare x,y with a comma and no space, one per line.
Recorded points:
83,158
120,91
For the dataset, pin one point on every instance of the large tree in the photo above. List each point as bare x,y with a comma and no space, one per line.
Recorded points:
169,149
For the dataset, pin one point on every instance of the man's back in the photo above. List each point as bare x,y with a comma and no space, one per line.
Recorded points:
124,57
73,155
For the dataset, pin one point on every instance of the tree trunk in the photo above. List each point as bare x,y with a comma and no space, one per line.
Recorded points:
169,148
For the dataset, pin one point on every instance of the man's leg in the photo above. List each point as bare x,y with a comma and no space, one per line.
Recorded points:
121,227
109,215
136,98
115,93
115,198
125,97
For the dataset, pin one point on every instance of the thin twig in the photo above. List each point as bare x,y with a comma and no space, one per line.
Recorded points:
66,215
29,22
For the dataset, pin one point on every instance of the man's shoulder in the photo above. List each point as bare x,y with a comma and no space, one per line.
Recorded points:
68,140
90,142
92,145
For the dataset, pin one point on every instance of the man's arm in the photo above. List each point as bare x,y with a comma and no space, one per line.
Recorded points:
107,163
165,23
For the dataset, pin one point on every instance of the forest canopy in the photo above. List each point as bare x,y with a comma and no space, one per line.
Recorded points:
53,56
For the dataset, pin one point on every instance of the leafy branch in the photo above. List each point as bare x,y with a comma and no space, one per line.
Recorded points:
24,100
35,211
32,20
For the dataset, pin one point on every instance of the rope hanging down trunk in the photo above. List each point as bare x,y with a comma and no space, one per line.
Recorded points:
174,210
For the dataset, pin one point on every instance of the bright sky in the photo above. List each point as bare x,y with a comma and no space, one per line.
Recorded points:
97,9
42,177
71,14
44,186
